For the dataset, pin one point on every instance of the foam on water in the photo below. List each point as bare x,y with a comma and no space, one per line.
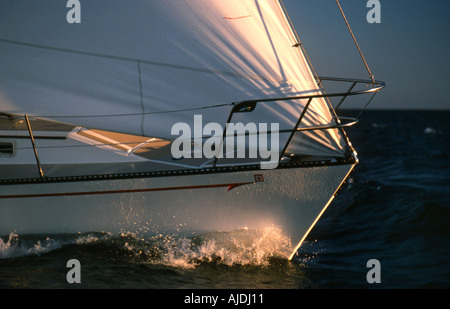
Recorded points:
11,247
14,246
240,247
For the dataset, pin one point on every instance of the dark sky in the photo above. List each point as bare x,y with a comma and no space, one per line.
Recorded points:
409,49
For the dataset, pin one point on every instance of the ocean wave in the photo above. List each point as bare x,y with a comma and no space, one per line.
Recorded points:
11,247
240,247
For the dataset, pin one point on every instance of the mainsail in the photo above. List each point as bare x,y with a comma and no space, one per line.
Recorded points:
140,66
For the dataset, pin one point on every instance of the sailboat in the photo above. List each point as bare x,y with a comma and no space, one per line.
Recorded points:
187,116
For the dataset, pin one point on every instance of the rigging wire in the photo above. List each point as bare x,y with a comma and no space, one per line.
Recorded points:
356,43
128,114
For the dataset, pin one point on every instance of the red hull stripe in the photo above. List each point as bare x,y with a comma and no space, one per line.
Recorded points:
125,191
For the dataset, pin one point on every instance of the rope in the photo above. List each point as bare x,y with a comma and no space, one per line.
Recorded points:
132,114
356,43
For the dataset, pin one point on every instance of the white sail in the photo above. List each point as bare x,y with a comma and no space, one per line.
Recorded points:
129,65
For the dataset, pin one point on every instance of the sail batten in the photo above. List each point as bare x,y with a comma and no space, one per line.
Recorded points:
140,66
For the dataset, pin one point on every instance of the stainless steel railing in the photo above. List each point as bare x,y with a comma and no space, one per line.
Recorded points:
339,122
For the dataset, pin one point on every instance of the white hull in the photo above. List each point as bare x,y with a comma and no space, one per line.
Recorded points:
290,199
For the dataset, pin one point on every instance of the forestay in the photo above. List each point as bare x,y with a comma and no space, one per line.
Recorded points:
129,65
